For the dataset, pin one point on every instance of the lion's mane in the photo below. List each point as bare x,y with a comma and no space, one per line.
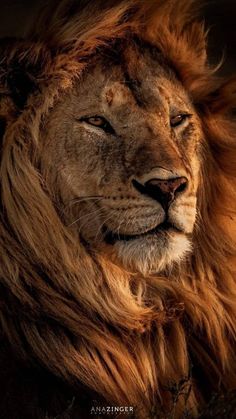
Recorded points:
86,320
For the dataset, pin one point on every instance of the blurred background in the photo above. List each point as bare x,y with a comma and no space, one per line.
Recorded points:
220,16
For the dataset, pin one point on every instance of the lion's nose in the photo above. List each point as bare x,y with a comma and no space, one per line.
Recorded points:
162,190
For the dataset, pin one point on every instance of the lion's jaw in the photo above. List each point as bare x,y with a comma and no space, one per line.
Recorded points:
152,254
107,140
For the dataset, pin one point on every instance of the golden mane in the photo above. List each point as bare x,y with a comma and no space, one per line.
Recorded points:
57,300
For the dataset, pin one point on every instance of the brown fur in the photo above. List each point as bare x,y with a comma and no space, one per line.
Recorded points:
57,304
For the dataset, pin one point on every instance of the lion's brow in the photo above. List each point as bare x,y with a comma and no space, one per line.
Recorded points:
134,86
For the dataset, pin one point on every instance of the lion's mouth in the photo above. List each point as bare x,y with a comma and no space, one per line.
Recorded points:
111,237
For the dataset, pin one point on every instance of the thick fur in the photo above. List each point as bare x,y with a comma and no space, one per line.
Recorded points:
85,320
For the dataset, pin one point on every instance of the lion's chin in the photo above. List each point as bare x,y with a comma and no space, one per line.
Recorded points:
152,254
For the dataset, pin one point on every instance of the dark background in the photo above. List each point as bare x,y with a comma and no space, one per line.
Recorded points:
220,16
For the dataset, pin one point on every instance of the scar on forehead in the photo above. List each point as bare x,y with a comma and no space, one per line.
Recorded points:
109,97
117,94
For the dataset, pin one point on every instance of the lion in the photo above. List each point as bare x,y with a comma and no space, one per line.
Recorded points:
118,228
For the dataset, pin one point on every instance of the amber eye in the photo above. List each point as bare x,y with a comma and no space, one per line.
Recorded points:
98,121
177,120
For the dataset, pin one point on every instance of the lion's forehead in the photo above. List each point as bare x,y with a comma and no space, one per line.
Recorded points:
137,83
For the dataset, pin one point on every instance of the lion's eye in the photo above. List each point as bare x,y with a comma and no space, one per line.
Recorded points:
177,120
97,121
100,122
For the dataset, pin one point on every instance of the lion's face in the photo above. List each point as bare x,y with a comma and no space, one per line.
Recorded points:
122,156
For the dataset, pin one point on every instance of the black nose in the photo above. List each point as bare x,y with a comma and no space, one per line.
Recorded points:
162,190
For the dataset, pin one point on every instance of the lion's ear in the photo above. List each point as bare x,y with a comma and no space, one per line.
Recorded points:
20,83
22,65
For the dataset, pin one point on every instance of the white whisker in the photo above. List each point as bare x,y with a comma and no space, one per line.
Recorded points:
84,216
